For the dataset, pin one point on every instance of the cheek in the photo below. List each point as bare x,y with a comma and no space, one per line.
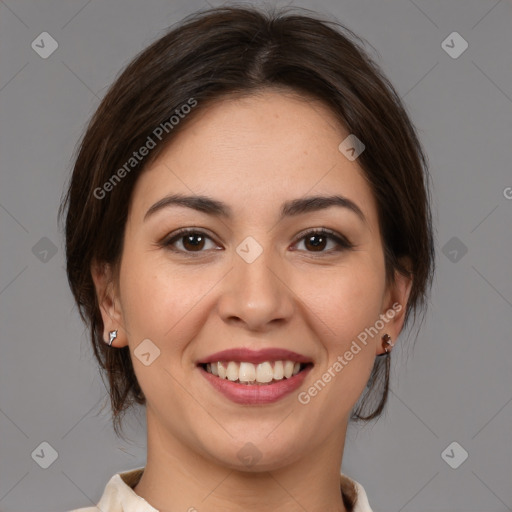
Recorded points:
162,302
349,302
348,299
350,306
160,307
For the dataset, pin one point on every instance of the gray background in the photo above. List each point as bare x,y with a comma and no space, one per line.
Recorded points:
456,384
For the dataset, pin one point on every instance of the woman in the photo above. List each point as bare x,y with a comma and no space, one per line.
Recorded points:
248,231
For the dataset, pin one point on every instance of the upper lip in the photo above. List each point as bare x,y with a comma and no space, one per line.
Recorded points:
255,356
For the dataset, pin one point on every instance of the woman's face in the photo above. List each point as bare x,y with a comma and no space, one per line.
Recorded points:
254,280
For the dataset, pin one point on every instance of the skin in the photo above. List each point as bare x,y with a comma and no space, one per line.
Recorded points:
253,154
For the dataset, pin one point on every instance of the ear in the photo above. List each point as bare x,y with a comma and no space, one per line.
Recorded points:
395,305
108,300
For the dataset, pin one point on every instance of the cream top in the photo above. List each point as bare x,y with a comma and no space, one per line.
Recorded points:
119,495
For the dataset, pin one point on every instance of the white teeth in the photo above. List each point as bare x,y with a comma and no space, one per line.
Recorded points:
262,373
247,372
288,369
221,367
278,370
232,371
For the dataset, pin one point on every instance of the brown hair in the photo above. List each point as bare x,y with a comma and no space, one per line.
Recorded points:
235,51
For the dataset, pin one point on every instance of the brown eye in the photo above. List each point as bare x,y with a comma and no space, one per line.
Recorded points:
318,240
193,241
188,241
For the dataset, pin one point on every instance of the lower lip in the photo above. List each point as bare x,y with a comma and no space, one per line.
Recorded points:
249,394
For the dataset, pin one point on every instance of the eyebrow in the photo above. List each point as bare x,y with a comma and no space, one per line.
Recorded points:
289,208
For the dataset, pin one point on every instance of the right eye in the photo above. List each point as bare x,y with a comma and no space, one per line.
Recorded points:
191,240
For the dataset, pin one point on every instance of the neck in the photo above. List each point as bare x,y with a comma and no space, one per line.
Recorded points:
177,478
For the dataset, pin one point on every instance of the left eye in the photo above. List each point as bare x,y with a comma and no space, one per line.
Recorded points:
316,240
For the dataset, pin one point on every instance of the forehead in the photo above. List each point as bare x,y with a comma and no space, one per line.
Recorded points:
254,153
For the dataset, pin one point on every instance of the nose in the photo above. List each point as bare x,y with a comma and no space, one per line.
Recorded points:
256,295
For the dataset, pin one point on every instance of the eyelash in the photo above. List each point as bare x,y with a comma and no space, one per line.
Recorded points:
342,242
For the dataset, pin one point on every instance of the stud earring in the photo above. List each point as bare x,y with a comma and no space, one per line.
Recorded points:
113,336
387,343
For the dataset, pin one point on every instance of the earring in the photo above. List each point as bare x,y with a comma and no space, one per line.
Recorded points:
113,336
387,343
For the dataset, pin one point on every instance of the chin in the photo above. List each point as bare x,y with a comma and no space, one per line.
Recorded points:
255,453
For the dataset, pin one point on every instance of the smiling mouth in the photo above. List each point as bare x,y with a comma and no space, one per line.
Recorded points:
265,373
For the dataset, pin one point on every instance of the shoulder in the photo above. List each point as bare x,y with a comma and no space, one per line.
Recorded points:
119,496
354,495
109,501
362,504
